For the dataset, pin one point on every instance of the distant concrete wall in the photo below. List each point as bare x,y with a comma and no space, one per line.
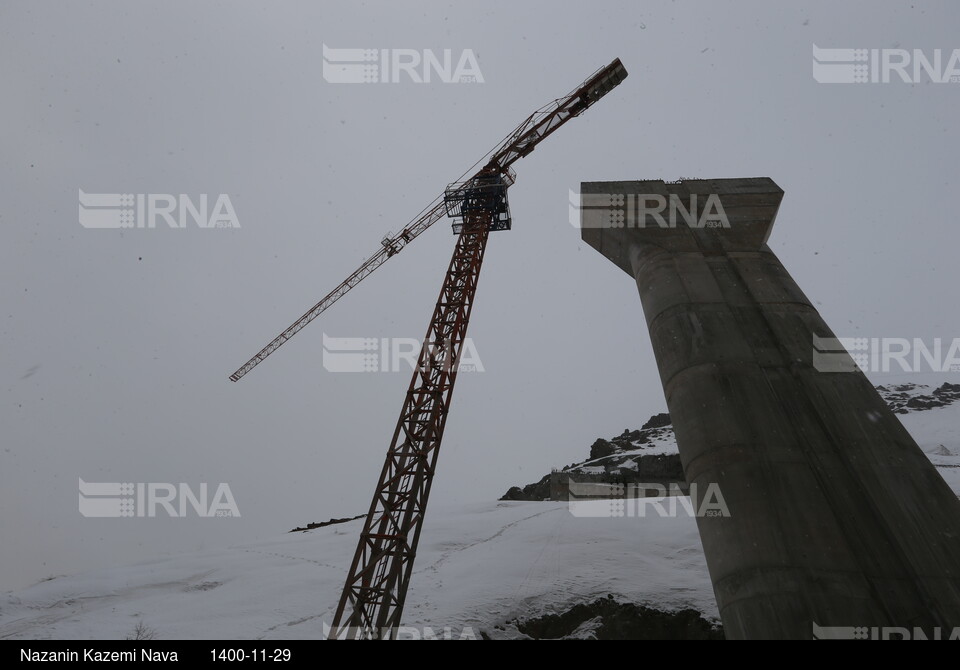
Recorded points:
836,516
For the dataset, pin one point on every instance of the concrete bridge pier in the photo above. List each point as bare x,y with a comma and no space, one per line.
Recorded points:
837,521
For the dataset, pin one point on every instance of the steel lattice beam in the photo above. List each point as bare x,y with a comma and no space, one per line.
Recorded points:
372,600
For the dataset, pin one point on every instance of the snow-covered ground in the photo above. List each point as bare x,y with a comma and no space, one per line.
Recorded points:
478,568
937,431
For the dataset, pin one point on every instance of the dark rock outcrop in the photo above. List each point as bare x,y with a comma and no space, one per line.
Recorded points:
607,619
536,491
658,421
601,449
906,398
331,522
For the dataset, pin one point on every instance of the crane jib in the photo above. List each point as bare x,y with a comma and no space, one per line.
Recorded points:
519,143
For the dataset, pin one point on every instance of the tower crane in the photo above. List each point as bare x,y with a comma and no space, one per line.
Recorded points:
372,601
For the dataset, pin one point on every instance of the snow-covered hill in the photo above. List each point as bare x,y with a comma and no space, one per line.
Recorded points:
480,568
652,450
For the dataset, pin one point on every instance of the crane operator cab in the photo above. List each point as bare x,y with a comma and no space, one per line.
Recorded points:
483,196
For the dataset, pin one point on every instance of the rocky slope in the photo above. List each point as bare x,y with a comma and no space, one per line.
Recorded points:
650,453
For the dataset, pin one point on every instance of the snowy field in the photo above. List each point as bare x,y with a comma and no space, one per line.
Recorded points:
479,567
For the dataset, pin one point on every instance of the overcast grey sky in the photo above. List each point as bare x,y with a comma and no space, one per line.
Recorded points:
117,345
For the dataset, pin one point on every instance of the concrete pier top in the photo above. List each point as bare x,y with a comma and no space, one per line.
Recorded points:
705,215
